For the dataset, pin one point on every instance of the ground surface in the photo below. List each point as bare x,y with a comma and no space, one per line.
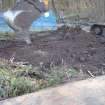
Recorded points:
53,58
87,92
80,50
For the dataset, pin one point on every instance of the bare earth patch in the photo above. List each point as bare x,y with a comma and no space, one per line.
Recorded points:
75,48
59,57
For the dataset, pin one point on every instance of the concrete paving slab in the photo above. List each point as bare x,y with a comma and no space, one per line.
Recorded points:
86,92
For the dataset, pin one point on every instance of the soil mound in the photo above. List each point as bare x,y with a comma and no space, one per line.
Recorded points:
72,47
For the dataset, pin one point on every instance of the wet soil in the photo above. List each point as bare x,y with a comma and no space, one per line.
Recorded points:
72,47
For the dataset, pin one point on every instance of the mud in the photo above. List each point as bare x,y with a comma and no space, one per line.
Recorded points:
73,47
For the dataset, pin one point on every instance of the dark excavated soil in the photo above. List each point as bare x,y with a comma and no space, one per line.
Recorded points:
73,47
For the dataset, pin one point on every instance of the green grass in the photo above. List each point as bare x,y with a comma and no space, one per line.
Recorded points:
6,35
18,79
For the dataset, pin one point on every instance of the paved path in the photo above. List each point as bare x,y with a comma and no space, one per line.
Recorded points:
87,92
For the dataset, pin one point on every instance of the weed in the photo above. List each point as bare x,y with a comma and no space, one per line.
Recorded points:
16,79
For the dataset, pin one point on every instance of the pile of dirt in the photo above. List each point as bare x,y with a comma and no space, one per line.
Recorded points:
73,47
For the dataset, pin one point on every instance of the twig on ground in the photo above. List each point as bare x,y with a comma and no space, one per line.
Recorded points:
12,58
90,73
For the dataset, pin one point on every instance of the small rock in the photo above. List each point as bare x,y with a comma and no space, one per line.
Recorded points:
82,59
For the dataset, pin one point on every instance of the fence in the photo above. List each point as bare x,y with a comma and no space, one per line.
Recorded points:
92,10
5,4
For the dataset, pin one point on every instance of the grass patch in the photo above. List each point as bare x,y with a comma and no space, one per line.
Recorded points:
60,75
6,35
17,79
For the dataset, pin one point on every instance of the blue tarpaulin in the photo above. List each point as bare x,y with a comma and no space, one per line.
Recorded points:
42,23
45,23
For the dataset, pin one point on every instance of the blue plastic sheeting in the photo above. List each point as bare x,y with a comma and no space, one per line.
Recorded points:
3,26
45,23
41,24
